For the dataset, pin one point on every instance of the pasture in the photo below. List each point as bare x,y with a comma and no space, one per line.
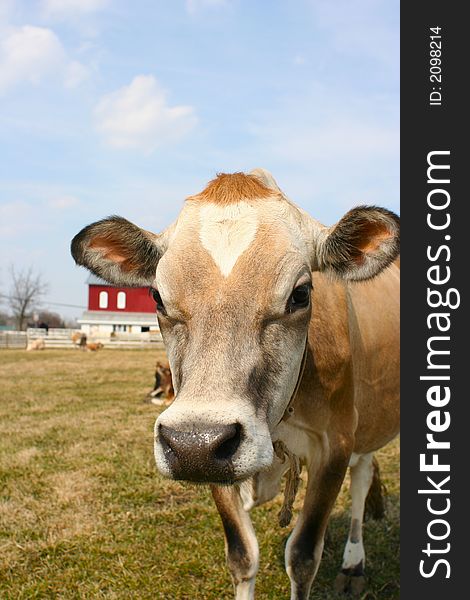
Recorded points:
84,513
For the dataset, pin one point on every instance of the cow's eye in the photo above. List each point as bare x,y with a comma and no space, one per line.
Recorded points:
158,300
300,297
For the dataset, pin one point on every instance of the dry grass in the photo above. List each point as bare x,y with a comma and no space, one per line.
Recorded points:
83,513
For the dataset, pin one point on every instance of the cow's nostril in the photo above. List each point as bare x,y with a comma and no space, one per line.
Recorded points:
227,447
165,435
200,453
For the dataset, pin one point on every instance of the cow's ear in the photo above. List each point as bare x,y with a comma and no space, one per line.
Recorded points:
361,244
118,251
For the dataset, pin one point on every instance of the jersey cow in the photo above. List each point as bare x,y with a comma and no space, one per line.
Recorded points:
282,337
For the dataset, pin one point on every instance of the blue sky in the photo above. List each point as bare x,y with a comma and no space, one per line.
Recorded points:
118,107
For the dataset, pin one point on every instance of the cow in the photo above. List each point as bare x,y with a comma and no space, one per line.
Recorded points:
38,344
79,339
283,340
163,391
93,346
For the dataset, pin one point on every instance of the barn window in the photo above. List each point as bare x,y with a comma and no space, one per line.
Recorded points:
121,300
103,299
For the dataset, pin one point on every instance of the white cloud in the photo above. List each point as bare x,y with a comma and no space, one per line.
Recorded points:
6,9
193,6
75,74
138,116
31,54
69,8
28,54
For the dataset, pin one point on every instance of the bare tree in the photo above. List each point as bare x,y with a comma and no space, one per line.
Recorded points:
51,319
26,291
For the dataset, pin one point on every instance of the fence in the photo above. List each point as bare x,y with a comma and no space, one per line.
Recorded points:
13,339
62,338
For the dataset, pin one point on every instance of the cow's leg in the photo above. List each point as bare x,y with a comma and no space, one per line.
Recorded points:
241,545
305,545
351,577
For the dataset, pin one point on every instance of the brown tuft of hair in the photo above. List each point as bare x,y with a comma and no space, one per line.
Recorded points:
229,188
375,505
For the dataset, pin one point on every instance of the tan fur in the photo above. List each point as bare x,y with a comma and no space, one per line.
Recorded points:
350,379
347,400
79,339
93,347
36,345
75,337
231,188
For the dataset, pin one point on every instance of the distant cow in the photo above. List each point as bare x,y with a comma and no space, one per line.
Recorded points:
79,339
94,346
36,345
163,392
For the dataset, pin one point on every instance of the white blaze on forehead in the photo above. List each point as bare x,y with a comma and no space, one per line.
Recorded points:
227,231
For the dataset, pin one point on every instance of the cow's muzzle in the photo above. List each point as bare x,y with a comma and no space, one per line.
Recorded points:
202,454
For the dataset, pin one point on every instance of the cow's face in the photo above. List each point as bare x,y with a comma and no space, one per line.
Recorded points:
232,283
233,295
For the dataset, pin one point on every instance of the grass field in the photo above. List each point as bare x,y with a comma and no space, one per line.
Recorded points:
84,514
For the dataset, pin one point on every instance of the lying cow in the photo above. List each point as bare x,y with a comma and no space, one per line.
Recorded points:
312,315
93,346
36,345
163,392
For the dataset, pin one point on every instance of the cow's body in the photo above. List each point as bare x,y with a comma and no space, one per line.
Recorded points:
36,345
346,408
93,346
352,366
316,376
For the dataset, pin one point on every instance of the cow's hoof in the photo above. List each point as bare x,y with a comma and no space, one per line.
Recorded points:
341,584
350,581
357,584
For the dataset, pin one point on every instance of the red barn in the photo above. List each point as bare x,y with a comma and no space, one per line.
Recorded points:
117,309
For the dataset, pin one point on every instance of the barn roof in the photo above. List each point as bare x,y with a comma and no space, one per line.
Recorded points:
95,280
121,318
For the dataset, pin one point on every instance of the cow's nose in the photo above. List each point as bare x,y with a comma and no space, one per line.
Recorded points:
201,454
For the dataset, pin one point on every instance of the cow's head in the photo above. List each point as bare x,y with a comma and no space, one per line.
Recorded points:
232,283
